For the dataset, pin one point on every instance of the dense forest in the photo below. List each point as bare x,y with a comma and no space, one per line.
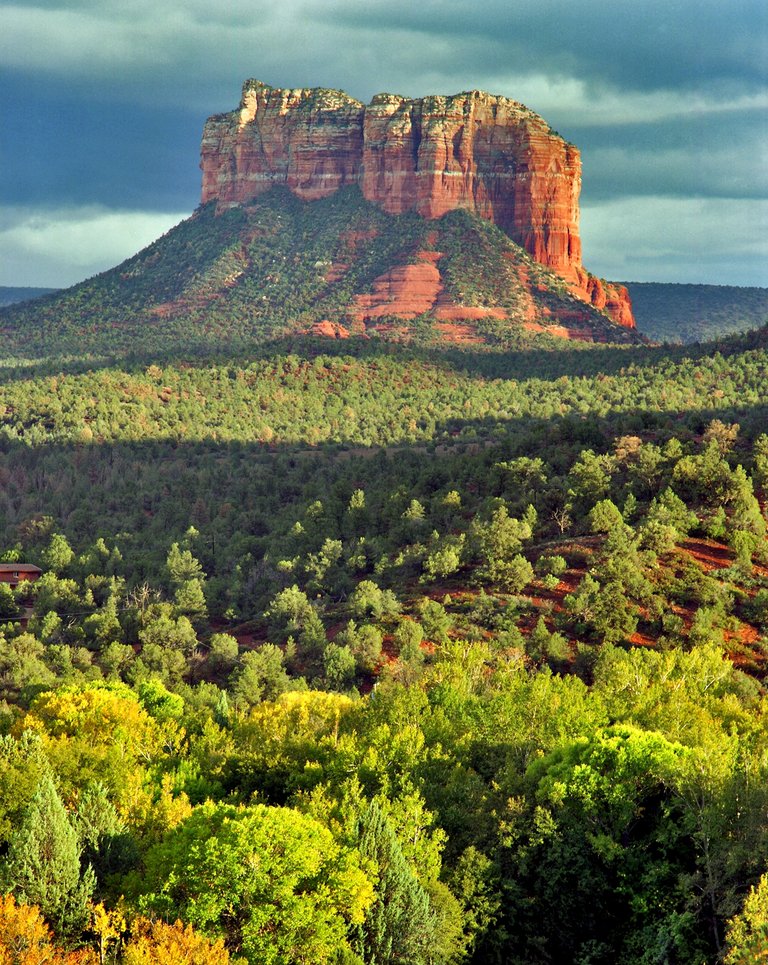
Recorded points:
354,652
382,649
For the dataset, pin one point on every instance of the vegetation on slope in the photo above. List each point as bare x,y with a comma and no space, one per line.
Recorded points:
482,635
367,652
279,266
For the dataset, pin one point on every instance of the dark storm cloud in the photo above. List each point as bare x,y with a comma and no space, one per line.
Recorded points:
681,158
104,100
183,46
123,154
632,44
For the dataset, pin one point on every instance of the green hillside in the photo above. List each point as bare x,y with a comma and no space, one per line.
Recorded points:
280,266
334,593
696,313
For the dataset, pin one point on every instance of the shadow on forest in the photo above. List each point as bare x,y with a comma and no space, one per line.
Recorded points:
149,492
491,362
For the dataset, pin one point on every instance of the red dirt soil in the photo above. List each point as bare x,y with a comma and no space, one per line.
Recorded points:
329,329
709,554
410,290
463,334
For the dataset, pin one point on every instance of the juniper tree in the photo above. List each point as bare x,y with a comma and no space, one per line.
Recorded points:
43,863
400,925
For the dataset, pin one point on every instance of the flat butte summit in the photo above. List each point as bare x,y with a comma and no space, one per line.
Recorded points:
445,218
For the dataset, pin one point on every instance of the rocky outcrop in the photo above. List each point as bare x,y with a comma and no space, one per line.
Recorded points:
606,296
487,154
484,153
407,291
309,140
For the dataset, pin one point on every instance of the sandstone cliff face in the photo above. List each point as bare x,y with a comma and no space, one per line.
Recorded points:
476,151
309,140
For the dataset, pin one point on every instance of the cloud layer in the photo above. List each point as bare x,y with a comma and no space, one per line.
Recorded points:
667,100
671,239
54,247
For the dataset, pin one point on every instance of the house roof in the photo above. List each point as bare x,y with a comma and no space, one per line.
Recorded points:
19,568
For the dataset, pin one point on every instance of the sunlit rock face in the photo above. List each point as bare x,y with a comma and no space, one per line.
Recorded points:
477,151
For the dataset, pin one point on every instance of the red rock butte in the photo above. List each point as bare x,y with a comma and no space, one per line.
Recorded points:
487,154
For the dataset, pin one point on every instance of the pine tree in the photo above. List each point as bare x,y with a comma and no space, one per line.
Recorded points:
43,863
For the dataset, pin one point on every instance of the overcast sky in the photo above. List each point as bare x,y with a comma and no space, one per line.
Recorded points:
103,103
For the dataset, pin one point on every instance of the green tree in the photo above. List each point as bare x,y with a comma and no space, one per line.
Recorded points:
588,481
158,701
443,556
22,665
58,554
609,852
23,763
365,642
223,652
435,622
339,666
107,846
42,866
543,645
605,517
499,541
270,881
182,566
190,599
8,605
400,925
370,601
260,675
323,569
168,633
290,612
103,627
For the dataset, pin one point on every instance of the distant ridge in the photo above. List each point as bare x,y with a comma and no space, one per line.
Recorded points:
668,312
12,295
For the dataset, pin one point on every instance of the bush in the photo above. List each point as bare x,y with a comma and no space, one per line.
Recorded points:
550,565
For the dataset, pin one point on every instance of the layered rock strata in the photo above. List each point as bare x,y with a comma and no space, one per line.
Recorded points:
476,151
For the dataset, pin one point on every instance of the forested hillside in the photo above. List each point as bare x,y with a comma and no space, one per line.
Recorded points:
280,266
351,651
696,313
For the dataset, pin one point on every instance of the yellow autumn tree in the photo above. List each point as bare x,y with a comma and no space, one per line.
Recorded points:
293,737
25,939
97,732
109,927
747,935
158,943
